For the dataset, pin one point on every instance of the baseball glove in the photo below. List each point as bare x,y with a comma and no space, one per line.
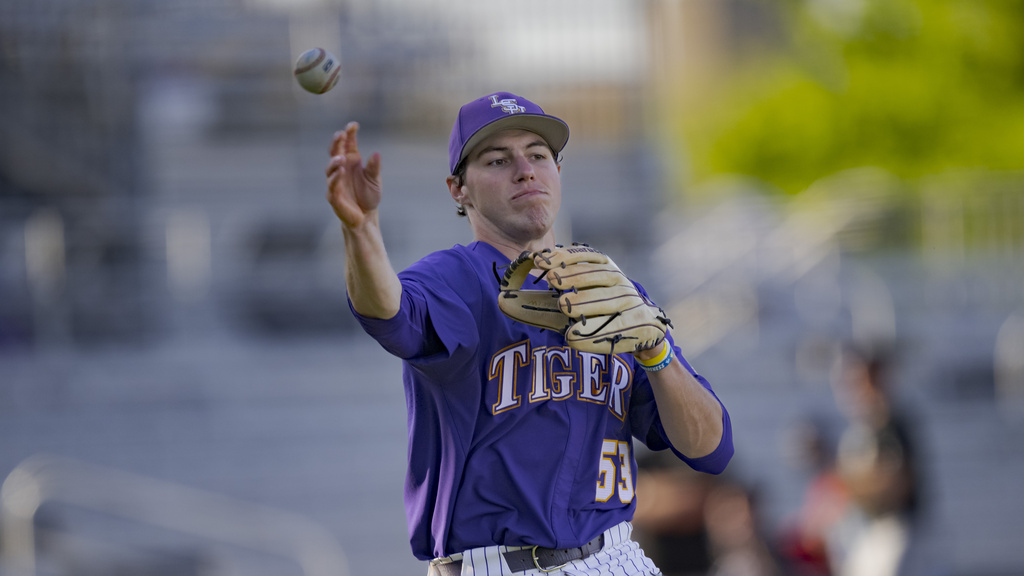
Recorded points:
589,300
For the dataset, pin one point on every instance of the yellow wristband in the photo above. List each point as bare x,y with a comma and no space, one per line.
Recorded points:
660,361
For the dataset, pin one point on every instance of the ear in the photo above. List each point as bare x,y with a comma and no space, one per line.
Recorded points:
456,191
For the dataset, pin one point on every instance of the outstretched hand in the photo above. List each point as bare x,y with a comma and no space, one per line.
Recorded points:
353,190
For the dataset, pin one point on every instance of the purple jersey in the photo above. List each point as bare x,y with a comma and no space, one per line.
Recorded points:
514,438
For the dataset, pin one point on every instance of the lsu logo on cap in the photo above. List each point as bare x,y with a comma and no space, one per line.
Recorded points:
508,105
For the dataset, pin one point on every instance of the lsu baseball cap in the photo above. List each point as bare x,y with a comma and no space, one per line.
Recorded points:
501,111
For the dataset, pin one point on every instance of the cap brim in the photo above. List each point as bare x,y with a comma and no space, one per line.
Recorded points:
554,131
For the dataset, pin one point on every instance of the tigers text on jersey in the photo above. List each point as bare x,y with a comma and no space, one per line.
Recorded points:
515,439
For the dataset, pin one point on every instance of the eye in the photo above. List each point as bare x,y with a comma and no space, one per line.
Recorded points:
497,162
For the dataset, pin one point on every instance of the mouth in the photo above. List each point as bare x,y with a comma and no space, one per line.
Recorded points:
528,193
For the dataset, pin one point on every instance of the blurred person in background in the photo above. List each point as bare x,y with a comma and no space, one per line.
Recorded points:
697,525
877,461
803,538
735,534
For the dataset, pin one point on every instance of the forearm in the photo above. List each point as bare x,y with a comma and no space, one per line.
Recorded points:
373,286
691,415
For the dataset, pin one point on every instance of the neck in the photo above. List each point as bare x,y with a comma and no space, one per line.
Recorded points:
512,248
510,244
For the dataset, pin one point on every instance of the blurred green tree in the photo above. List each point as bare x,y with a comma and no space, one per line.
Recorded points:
915,87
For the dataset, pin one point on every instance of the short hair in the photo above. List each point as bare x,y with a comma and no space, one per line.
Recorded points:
460,180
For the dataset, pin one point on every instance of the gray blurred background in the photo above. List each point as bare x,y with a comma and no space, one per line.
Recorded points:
183,389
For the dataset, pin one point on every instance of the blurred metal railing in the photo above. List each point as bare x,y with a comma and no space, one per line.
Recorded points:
717,262
156,503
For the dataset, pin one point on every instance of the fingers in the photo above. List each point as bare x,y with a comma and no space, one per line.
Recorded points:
373,167
351,142
335,163
333,174
345,159
337,143
345,141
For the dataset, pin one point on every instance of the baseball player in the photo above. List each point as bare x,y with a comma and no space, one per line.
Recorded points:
523,404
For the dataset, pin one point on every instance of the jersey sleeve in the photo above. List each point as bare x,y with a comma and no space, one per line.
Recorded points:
648,428
437,318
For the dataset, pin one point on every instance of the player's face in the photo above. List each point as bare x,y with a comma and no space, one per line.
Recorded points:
512,188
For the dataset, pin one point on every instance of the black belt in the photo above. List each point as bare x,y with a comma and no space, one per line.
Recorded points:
546,559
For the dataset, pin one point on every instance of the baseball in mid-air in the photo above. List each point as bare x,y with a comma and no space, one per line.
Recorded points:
317,70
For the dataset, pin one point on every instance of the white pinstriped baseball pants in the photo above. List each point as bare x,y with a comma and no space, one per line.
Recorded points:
621,556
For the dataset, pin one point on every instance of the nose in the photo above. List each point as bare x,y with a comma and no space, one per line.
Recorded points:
524,168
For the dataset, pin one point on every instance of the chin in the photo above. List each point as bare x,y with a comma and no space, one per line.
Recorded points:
540,226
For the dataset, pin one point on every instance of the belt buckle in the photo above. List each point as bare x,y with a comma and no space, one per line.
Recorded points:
536,562
446,560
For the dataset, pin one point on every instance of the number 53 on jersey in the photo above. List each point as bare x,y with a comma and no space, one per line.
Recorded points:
614,472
